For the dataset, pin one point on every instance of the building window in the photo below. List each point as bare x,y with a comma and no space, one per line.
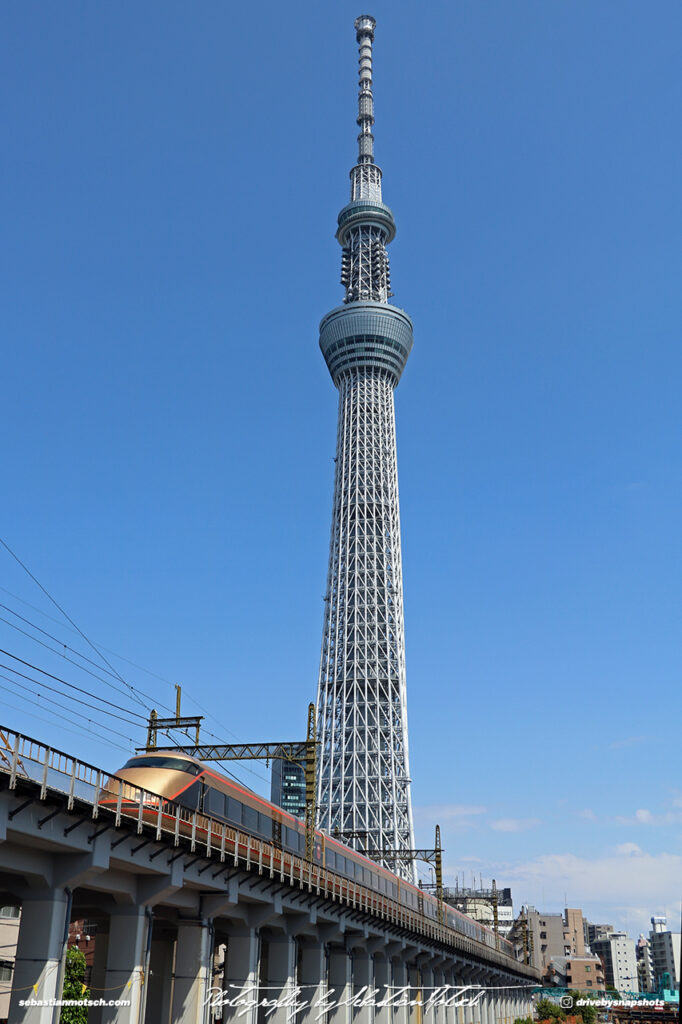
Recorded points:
9,911
6,969
589,983
543,935
588,969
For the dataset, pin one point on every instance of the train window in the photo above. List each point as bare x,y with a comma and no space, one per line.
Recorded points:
234,811
214,803
329,859
291,839
265,825
156,761
250,818
190,797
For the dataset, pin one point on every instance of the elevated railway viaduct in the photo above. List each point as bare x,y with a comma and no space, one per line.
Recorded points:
198,923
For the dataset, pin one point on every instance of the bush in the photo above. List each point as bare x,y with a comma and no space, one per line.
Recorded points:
74,988
545,1009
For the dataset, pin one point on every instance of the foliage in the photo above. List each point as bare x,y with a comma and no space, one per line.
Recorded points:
74,989
523,1020
545,1009
588,1013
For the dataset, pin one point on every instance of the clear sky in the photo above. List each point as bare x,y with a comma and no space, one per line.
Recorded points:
171,176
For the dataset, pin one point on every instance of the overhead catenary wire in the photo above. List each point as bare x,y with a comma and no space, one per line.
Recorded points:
58,679
53,689
132,690
55,714
69,619
51,700
58,653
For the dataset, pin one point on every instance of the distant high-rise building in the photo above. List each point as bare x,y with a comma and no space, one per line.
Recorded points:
617,953
645,971
363,768
665,954
596,931
287,787
480,904
574,930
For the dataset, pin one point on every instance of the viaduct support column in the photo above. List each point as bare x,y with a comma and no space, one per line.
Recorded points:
382,986
242,960
363,987
281,976
340,990
429,1015
415,997
129,932
37,968
487,1014
449,1011
400,996
160,976
312,980
193,969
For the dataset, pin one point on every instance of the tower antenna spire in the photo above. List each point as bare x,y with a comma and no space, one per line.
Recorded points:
364,29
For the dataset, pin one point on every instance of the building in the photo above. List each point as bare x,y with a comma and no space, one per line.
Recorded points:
582,973
574,930
287,787
480,904
363,767
549,936
665,954
645,971
9,933
595,931
82,935
617,953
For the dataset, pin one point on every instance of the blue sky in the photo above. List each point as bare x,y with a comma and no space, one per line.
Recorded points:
171,179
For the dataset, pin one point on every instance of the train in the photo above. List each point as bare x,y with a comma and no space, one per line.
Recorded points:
197,787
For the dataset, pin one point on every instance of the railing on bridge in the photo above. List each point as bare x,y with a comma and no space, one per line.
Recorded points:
107,796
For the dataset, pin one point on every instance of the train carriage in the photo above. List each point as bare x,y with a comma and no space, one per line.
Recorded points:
185,781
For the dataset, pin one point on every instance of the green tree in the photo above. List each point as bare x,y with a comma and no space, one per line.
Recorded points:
545,1009
588,1013
74,988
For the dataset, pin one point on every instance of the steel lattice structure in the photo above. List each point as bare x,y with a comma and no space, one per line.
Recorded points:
363,771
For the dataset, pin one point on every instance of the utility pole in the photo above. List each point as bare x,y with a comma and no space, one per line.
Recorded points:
304,754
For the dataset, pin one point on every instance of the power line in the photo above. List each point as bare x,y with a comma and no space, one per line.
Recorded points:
68,617
100,739
47,647
141,668
54,689
64,682
102,646
113,671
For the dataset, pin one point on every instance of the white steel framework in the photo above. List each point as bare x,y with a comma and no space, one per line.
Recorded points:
363,771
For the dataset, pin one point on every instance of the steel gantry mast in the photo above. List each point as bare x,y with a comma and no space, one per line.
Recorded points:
363,770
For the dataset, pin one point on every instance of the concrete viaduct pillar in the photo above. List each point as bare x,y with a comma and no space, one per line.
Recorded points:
339,985
241,976
382,986
192,974
40,948
281,976
400,992
312,978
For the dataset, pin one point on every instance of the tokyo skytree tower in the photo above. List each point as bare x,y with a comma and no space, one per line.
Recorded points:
363,768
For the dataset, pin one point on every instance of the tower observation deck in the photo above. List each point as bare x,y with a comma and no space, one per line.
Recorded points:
363,771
